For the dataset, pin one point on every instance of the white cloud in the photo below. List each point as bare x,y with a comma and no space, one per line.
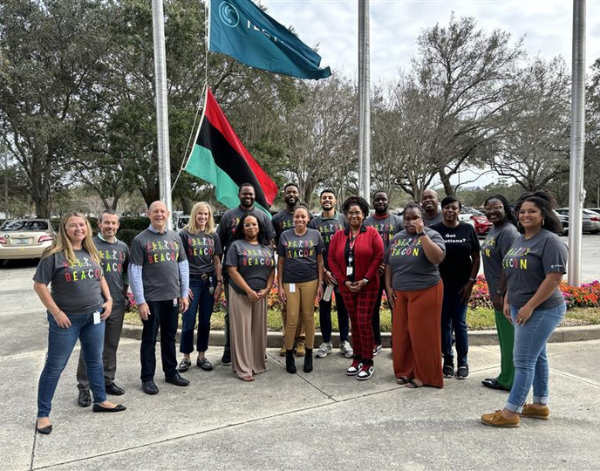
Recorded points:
396,24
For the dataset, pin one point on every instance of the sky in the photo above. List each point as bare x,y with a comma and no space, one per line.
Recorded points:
546,27
332,26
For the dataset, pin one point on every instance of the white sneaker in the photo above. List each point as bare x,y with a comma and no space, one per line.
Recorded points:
346,349
365,373
324,349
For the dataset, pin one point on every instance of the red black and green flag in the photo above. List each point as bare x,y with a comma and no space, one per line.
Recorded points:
220,158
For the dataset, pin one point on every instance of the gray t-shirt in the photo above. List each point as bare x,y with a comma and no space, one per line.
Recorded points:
159,256
493,249
284,221
200,250
114,258
527,263
74,284
431,221
230,220
387,227
254,262
327,227
411,270
300,255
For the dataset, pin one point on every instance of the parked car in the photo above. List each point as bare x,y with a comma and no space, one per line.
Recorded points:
180,221
596,210
590,220
564,219
25,238
476,218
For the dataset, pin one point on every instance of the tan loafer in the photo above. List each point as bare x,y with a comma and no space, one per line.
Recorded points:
498,420
542,413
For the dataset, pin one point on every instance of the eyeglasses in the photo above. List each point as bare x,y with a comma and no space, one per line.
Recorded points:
354,213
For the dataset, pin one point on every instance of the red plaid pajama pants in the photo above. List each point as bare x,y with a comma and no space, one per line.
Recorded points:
360,308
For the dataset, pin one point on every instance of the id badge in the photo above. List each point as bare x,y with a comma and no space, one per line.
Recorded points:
175,302
292,287
349,271
97,319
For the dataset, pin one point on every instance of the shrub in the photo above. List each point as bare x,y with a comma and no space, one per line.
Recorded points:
127,235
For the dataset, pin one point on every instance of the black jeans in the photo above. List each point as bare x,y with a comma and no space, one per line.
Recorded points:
376,309
164,316
325,318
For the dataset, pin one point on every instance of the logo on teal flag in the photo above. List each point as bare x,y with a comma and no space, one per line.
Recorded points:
243,31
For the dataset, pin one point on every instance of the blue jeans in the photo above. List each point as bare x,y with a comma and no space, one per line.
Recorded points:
325,317
202,303
60,346
529,355
454,318
163,315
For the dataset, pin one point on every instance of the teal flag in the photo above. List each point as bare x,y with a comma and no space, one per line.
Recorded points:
243,31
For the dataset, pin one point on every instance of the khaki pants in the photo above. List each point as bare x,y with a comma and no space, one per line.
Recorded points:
300,310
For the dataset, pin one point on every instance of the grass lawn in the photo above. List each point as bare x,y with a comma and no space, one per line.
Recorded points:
477,319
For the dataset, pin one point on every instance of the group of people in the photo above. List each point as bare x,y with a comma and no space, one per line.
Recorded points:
426,261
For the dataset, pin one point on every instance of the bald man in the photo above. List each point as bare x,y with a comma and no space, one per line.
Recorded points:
159,278
431,210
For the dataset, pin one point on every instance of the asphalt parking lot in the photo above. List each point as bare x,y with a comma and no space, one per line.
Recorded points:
319,420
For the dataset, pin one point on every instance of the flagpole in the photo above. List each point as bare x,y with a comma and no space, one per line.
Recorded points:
162,112
576,190
364,107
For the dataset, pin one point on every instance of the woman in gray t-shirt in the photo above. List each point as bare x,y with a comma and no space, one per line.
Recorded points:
534,267
299,276
203,250
250,263
77,305
415,293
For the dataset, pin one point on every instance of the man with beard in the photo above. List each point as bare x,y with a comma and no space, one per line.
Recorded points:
328,223
431,210
283,221
114,258
226,233
388,225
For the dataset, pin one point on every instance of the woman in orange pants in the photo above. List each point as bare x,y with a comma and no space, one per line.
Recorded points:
415,293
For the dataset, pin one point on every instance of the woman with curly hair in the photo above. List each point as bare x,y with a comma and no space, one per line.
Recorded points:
534,267
497,243
77,305
354,258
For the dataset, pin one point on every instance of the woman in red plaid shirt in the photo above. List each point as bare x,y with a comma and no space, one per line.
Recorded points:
354,258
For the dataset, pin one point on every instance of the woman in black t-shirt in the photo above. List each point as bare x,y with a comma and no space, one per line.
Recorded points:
459,274
77,307
250,263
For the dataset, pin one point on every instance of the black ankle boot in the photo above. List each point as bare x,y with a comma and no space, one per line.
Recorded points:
308,361
290,362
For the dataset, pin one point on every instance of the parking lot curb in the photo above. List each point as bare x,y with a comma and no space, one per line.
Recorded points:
476,337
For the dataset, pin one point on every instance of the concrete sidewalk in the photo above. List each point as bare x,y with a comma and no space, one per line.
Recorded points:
310,421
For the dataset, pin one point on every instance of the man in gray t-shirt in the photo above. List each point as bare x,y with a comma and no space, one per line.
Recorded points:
159,276
114,259
387,225
431,208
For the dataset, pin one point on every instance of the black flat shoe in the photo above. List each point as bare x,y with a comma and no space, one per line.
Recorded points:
204,364
117,408
150,387
44,430
493,384
114,390
184,365
177,380
84,399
